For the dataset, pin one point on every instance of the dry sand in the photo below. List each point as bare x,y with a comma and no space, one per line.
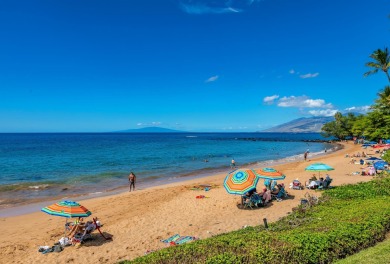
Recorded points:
139,220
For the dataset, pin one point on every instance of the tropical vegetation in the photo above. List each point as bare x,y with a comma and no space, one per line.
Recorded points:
375,124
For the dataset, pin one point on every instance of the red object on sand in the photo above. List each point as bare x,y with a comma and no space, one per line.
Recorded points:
98,228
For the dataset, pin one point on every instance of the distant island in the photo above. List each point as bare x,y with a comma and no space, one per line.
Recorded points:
301,125
150,130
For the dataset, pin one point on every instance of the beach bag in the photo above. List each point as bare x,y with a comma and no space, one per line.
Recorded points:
304,202
296,185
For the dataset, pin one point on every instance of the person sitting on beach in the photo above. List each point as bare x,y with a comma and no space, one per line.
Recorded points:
78,227
84,231
248,195
313,178
279,193
327,178
265,195
320,182
312,183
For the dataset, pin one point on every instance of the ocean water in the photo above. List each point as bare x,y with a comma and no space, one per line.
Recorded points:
38,166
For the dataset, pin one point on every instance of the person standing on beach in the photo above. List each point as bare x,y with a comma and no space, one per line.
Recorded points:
305,155
233,164
132,178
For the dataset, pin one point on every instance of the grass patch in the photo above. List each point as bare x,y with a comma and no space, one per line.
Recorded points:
379,254
347,219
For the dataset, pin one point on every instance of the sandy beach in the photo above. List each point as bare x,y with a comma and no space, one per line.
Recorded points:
138,220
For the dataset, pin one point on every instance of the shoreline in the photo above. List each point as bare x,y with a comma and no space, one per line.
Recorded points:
139,220
27,207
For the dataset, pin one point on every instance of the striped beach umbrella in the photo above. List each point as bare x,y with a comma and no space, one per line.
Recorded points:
270,174
67,209
240,181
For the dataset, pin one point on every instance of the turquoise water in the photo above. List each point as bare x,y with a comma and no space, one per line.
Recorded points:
40,166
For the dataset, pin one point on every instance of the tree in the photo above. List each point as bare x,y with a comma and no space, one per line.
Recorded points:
377,125
381,61
340,128
382,104
360,125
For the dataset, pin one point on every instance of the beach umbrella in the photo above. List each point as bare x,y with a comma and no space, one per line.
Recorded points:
67,209
318,167
240,181
270,174
380,164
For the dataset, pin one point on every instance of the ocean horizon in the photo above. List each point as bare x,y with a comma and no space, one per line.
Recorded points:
44,166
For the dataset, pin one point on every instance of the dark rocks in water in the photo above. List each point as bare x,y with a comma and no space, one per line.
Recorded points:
285,140
64,189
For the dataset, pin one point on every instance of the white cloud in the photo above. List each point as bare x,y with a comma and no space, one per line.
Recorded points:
212,79
270,99
291,71
358,109
303,101
149,124
325,112
309,75
199,7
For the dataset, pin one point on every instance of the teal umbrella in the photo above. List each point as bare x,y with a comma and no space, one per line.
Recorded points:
318,167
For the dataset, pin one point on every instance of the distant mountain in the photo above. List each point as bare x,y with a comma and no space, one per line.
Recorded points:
150,130
301,125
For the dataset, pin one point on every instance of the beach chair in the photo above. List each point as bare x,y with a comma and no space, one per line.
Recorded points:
97,226
247,203
296,185
85,235
326,184
280,195
256,200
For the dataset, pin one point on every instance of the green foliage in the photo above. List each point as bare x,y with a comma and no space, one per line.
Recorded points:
386,156
347,219
341,127
380,61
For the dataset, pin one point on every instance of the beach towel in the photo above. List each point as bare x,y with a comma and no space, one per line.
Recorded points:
178,240
171,239
184,239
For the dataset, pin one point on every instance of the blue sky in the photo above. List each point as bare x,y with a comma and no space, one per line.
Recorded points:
221,65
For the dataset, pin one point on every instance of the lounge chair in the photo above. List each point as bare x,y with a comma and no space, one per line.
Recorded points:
280,194
254,201
88,229
326,184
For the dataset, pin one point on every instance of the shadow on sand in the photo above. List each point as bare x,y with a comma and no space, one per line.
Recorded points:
98,240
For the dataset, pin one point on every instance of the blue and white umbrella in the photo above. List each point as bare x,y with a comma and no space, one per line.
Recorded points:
380,165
